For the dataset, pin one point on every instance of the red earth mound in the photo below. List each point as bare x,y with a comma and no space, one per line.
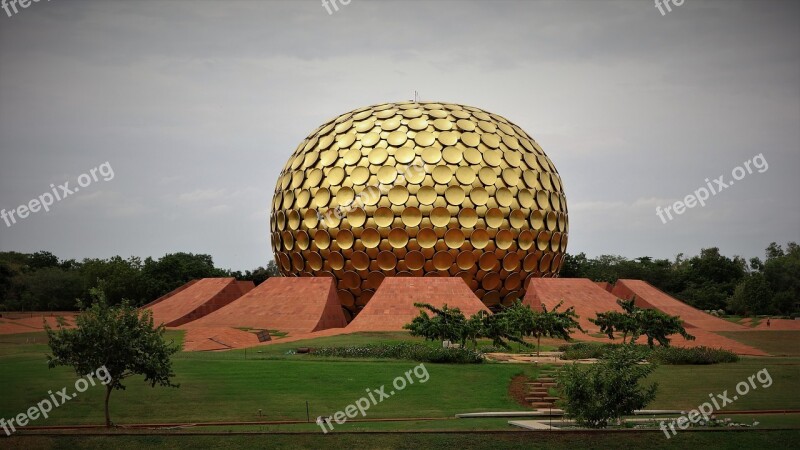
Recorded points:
648,296
288,304
392,306
196,299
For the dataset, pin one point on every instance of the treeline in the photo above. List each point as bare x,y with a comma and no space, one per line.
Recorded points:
709,280
42,282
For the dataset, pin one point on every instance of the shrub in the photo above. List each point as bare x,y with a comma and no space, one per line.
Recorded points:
660,355
692,356
596,394
404,350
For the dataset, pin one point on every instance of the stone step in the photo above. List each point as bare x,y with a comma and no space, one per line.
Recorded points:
549,384
542,404
546,380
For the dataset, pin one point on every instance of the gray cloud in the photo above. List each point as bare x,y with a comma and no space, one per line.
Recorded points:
198,104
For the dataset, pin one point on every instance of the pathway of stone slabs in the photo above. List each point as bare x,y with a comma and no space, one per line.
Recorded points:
543,358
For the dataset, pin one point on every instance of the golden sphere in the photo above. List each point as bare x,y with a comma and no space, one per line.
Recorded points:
420,189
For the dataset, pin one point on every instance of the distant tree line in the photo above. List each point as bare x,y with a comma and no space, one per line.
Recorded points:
42,282
708,281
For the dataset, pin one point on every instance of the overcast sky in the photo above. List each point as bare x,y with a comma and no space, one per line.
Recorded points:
196,106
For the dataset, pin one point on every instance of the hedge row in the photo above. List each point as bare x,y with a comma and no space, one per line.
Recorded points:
659,355
404,350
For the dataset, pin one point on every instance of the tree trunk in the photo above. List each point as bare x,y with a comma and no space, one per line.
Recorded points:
538,345
108,416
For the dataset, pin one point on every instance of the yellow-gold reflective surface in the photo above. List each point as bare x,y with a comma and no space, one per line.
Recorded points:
420,189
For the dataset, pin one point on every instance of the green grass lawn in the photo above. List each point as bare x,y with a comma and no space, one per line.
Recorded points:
224,386
774,342
520,440
235,389
682,387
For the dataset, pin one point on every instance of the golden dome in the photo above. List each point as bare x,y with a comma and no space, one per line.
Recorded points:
420,189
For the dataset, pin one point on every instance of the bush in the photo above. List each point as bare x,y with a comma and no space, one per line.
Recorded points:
597,394
658,355
404,350
692,356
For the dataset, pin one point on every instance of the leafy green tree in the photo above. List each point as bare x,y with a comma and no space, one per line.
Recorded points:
176,269
50,288
658,326
496,327
120,338
523,321
447,324
752,296
782,273
597,394
635,321
615,321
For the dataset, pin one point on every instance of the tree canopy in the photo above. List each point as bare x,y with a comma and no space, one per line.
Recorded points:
42,281
121,339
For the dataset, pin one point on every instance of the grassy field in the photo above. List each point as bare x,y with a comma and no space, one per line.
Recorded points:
230,388
224,386
774,342
519,440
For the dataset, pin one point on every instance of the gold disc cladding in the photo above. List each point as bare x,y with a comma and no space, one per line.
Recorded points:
494,218
398,238
419,189
454,238
426,238
467,217
384,217
454,195
398,195
411,216
440,217
465,175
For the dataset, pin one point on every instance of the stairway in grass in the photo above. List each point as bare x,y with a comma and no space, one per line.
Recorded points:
539,390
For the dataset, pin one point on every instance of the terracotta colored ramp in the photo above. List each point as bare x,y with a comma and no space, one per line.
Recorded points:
196,300
648,296
392,306
586,296
209,339
289,304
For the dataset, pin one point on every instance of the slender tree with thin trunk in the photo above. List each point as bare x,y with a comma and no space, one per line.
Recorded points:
120,339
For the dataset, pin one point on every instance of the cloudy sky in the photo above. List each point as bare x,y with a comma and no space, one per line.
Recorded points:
196,106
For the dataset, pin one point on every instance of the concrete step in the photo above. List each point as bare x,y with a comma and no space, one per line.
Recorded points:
542,404
546,380
549,384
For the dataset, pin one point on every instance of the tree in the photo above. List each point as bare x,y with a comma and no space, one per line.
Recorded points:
120,338
635,321
596,394
523,321
447,324
752,296
658,326
615,321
